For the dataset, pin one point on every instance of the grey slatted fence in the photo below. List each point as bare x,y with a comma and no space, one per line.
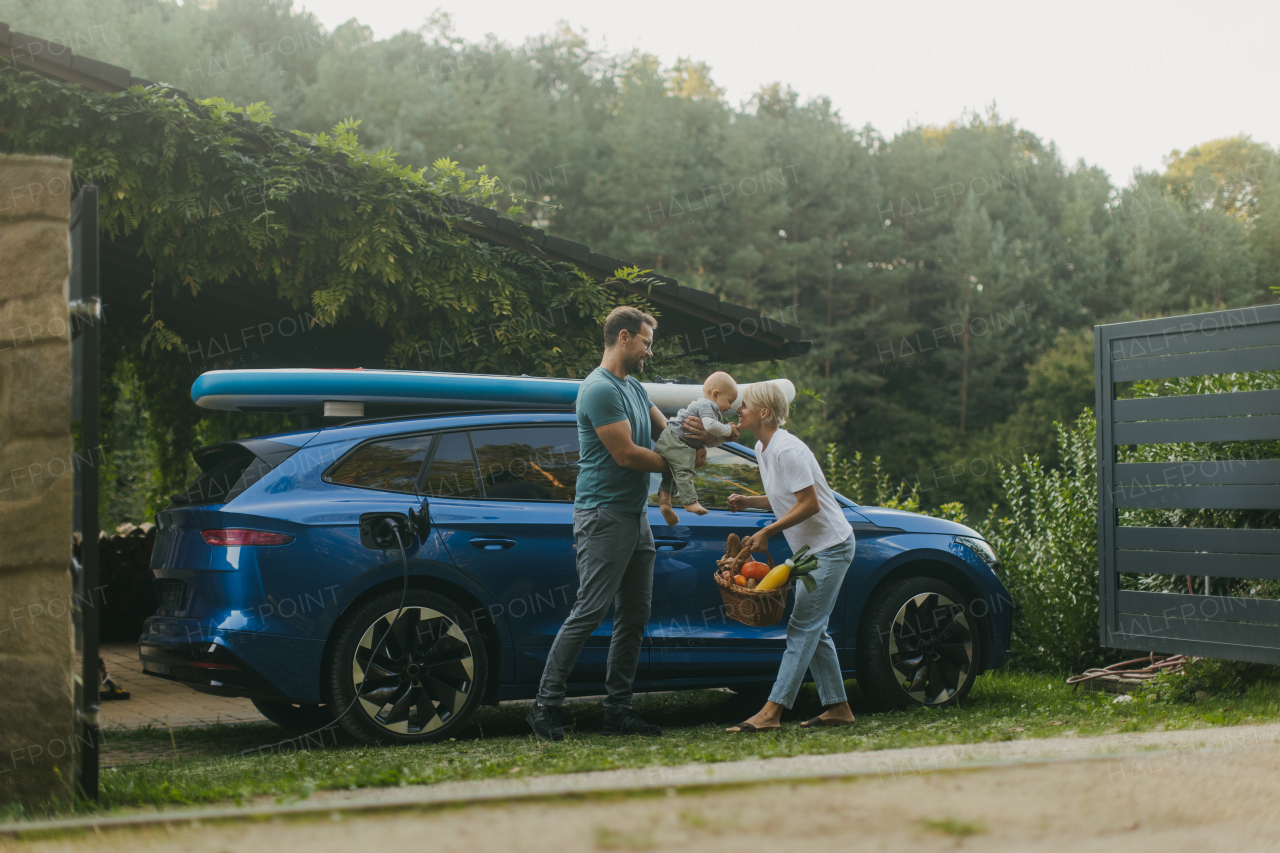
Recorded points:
1220,342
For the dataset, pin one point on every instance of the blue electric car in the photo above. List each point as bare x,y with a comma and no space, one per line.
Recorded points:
278,581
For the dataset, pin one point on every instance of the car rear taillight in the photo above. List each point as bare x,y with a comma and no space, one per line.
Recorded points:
238,536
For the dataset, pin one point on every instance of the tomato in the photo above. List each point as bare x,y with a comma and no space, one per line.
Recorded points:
755,570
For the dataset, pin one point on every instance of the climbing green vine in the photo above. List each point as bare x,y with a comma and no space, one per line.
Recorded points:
212,193
216,193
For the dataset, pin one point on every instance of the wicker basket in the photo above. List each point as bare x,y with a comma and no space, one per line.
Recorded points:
755,607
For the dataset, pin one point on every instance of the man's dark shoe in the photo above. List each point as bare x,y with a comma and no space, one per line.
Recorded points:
545,722
627,722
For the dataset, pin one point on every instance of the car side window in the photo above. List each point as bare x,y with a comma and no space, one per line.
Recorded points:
724,474
453,469
389,465
528,463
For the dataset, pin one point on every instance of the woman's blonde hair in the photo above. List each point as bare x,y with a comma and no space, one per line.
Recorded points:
763,396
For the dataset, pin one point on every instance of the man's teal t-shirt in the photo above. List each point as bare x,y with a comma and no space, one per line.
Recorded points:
605,399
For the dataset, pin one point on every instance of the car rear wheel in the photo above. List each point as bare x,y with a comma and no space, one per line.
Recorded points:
295,718
426,680
918,644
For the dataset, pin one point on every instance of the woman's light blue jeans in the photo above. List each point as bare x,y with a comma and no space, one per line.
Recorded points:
809,646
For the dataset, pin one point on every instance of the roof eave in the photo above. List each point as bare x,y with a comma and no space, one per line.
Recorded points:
782,339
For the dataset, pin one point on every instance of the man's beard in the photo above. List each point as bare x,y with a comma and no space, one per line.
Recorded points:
634,365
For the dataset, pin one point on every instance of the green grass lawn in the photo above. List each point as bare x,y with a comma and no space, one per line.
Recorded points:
1003,706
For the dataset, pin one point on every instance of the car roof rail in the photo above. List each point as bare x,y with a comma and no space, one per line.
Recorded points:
451,413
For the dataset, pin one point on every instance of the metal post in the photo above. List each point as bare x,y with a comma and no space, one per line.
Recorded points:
85,309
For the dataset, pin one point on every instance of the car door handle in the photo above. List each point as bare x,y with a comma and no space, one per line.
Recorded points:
486,544
670,544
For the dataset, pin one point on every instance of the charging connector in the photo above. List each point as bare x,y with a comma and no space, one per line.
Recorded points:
387,529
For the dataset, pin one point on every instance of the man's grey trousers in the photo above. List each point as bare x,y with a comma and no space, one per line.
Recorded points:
615,566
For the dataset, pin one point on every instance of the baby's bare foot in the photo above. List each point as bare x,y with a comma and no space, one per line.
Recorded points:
664,505
695,508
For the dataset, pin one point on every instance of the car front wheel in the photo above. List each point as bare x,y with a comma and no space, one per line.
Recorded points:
918,644
419,677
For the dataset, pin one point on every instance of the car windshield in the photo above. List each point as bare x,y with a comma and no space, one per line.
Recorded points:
725,473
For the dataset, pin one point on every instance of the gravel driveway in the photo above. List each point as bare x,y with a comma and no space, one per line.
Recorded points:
1185,790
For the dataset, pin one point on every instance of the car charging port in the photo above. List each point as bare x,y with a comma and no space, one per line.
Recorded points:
378,530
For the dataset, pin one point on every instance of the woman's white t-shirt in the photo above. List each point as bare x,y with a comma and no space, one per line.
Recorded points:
786,467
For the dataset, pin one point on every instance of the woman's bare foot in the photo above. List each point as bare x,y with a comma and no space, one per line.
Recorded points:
840,714
664,506
767,718
695,508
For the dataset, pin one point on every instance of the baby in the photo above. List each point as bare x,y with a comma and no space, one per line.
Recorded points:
675,446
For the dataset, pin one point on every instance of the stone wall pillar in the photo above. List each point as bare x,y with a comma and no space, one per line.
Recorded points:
38,749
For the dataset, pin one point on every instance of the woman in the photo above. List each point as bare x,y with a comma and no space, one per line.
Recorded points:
807,514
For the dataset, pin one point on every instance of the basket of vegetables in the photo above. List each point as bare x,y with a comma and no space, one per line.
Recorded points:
755,593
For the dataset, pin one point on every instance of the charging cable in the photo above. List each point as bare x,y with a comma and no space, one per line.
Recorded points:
404,594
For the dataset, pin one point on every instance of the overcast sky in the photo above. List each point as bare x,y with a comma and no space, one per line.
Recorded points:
1119,84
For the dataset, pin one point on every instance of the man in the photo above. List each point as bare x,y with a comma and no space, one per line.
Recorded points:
617,425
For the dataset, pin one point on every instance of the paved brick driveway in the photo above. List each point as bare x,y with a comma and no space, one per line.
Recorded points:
152,699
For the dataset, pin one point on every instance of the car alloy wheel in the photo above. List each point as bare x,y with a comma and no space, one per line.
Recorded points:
421,676
427,678
917,644
931,648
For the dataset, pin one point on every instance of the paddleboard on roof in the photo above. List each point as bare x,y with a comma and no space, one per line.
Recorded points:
366,393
